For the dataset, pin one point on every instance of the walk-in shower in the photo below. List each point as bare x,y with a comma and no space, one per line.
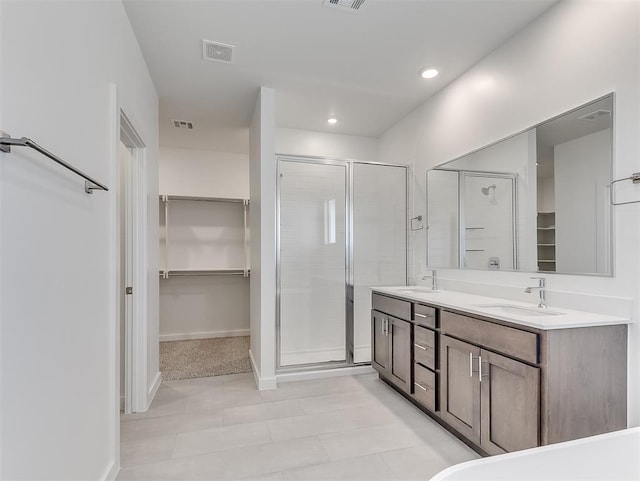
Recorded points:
342,227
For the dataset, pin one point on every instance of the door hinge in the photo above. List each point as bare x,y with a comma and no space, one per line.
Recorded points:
128,291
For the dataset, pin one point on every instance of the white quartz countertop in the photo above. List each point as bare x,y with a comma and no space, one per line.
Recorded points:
611,456
506,310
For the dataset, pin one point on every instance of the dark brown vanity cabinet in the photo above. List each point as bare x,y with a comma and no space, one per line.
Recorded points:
508,388
459,389
491,399
391,340
509,404
379,342
425,357
500,385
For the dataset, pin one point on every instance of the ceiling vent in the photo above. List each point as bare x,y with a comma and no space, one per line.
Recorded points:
216,51
182,124
595,115
346,5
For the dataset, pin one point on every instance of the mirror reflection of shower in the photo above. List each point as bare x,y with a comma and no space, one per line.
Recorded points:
492,189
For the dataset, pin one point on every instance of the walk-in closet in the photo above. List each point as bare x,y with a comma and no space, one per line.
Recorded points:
203,266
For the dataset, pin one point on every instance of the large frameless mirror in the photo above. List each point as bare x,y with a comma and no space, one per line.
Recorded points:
535,201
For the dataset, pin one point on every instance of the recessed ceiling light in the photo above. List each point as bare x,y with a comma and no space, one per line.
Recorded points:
333,121
428,72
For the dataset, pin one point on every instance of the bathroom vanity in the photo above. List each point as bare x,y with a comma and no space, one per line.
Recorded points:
501,375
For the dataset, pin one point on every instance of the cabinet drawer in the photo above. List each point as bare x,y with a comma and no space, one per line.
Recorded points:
508,340
391,306
424,347
424,316
424,386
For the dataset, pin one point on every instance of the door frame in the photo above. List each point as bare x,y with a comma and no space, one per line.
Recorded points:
135,358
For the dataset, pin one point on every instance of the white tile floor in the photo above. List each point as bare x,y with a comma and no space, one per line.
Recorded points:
344,428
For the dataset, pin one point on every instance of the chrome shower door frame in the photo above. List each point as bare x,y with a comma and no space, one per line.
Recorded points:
349,277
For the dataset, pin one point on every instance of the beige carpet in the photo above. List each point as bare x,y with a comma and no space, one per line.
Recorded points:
204,357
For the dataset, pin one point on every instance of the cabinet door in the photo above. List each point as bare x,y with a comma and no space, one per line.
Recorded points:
379,342
460,387
510,404
400,368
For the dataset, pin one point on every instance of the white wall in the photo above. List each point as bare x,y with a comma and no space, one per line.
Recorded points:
554,65
204,173
204,307
59,321
204,235
320,144
262,175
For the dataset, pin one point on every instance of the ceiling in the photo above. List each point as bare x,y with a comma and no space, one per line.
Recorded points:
361,67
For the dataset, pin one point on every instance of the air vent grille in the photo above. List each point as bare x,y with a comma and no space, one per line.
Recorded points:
182,124
216,51
346,5
595,115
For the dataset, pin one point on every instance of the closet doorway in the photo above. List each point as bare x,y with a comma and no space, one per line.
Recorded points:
131,248
342,227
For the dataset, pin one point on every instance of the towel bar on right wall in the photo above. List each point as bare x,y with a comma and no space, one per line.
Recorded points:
634,178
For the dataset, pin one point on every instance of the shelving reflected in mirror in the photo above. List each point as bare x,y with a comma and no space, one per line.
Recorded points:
535,201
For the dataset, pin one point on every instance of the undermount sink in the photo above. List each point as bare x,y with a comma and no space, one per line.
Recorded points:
414,290
518,310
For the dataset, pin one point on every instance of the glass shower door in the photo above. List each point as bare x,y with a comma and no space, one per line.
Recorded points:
313,253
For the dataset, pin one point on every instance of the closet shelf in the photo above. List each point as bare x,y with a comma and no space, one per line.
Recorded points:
228,200
203,272
553,261
216,234
546,245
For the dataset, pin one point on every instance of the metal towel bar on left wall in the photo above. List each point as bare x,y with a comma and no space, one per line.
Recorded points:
6,141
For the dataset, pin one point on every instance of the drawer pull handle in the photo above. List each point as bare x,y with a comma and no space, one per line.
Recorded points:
424,348
422,315
422,387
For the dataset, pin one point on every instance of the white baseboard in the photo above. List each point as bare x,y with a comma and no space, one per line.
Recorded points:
203,335
324,373
362,353
154,389
112,472
264,384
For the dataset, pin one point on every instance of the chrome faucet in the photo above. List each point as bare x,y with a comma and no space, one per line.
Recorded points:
434,279
541,288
